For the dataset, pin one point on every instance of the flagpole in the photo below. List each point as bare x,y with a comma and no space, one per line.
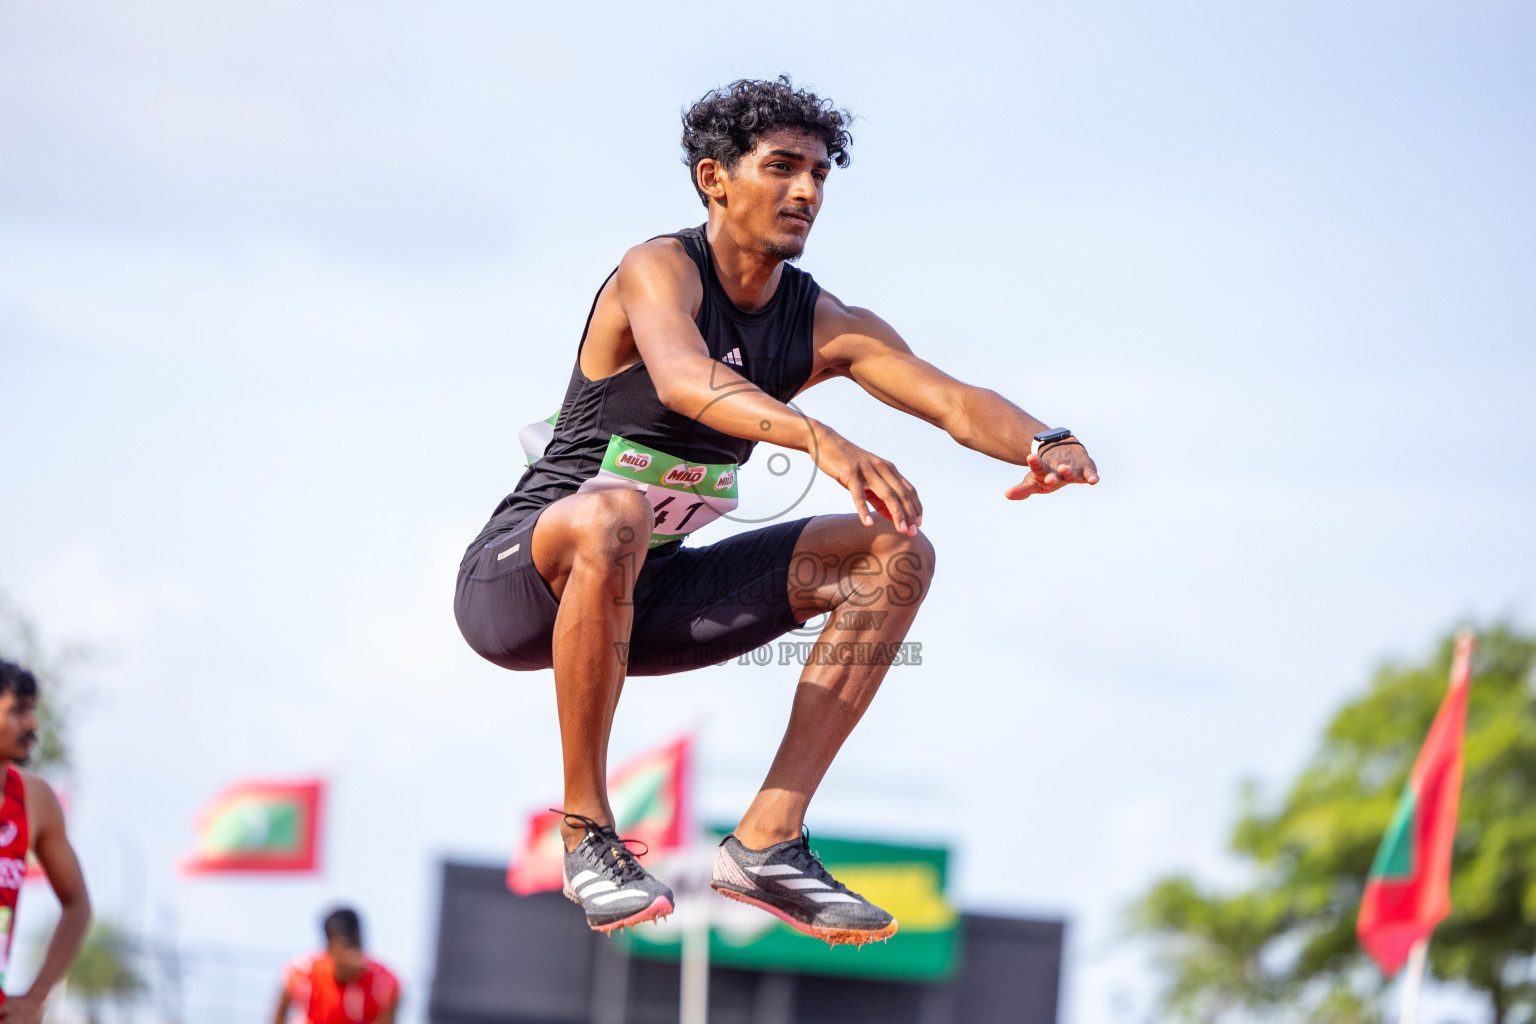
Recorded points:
1413,980
694,910
695,1001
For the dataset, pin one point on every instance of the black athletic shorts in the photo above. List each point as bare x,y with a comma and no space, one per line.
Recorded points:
694,606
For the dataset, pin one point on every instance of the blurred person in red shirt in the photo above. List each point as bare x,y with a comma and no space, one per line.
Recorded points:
341,984
31,820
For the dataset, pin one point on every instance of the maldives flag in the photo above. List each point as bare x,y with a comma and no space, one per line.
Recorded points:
649,797
1408,891
259,826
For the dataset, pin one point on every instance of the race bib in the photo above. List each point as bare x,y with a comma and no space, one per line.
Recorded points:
683,495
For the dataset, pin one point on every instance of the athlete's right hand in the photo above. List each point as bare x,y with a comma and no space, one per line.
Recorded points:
22,1009
870,480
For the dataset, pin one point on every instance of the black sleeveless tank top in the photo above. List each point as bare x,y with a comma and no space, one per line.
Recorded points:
771,347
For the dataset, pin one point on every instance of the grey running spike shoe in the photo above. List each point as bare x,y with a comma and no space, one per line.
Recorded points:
789,881
603,877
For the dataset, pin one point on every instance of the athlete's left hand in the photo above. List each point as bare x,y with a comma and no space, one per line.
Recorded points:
22,1009
1063,464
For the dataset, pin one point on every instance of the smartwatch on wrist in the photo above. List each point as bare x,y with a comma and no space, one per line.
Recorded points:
1049,437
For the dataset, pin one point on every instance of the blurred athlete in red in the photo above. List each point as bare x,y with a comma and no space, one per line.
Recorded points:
32,820
342,985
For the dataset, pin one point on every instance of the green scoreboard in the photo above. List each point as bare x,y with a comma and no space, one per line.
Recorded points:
908,881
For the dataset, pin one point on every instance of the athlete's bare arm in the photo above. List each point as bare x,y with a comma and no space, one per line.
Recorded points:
284,1001
658,291
51,846
855,343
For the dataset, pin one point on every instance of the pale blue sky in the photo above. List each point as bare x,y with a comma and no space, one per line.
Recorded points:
278,284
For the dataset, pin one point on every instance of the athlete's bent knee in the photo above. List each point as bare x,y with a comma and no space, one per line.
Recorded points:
922,547
612,523
914,554
909,563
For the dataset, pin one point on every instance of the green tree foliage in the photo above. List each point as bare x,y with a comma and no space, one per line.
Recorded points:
21,644
1284,949
104,973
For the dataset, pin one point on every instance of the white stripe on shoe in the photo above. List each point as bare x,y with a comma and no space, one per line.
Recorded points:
803,883
600,885
771,870
831,897
623,894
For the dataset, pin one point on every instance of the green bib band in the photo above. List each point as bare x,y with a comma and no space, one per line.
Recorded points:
683,495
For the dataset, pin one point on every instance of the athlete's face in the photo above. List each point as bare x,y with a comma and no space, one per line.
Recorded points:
346,959
18,727
774,194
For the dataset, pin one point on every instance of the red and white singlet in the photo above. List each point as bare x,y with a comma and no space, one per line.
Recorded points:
15,837
321,999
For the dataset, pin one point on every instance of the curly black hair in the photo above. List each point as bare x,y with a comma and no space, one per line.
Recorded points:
726,124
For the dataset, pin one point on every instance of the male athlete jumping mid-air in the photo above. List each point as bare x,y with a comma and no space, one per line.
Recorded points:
32,820
692,348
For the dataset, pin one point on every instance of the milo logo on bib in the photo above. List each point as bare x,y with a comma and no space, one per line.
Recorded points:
633,460
683,476
683,495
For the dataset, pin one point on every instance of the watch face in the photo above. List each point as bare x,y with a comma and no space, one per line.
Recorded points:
1047,436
